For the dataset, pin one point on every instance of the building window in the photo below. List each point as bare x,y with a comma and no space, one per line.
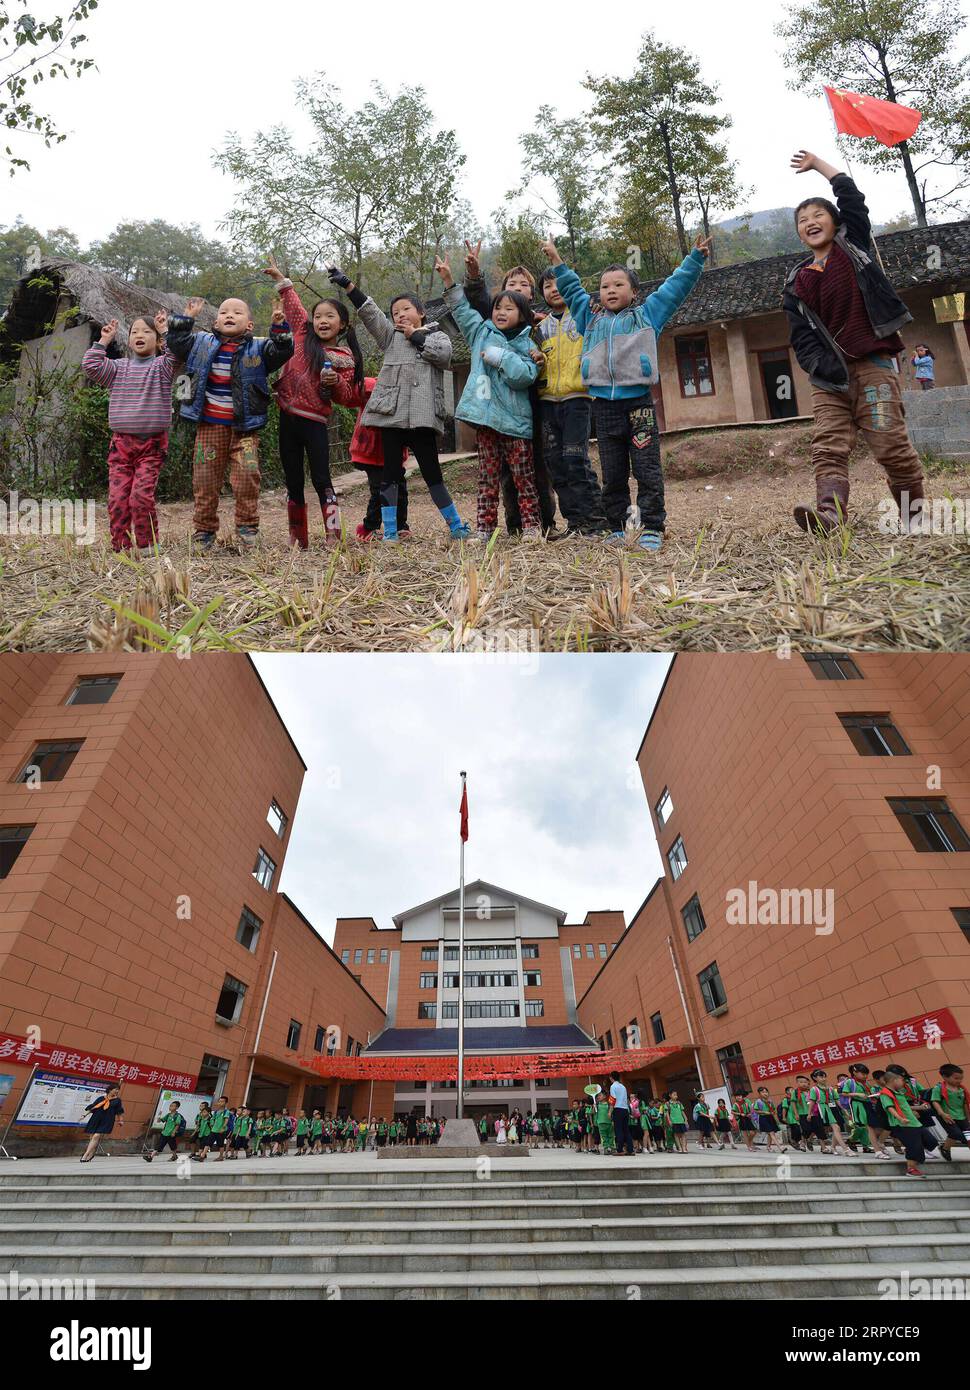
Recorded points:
930,824
609,1041
664,808
358,956
450,953
428,982
712,988
677,858
832,668
533,979
578,951
264,869
49,762
12,840
293,1034
534,1008
449,1011
874,735
230,1002
384,958
733,1070
427,1010
429,953
449,982
693,918
602,950
694,366
212,1076
489,981
590,954
491,1008
93,690
350,1047
612,945
962,914
489,953
530,952
276,817
247,933
319,1038
657,1024
345,956
370,957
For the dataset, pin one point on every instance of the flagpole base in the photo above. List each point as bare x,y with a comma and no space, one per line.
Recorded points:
458,1134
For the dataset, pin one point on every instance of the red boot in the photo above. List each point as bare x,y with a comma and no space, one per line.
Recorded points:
296,516
831,508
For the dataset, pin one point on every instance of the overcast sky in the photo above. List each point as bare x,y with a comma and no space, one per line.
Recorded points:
173,78
556,806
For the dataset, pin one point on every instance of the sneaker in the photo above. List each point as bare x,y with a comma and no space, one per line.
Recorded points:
615,537
945,1154
205,540
913,1172
248,536
650,540
530,532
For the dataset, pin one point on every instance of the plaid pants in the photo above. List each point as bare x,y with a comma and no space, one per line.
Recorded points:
218,447
629,441
133,468
494,450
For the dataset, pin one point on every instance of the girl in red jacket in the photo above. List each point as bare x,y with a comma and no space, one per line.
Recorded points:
322,371
367,452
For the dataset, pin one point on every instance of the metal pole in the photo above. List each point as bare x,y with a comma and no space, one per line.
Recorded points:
461,974
259,1030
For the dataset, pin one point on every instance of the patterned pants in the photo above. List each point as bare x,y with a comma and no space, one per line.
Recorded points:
629,442
218,447
133,468
873,406
494,450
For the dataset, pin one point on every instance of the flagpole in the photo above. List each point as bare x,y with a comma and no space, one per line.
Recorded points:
461,970
848,166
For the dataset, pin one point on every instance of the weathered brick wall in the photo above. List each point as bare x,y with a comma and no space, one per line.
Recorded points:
939,420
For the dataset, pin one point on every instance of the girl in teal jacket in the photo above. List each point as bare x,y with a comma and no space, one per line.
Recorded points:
496,398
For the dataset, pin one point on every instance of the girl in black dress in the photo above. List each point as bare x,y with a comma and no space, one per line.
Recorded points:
102,1114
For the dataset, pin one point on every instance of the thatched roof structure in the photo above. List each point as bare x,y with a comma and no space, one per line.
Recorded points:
64,294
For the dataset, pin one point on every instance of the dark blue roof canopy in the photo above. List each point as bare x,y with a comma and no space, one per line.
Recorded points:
482,1040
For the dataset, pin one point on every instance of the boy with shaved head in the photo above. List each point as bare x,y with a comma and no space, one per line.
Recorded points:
227,395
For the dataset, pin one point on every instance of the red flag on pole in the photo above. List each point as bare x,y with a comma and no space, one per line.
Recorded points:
464,812
885,121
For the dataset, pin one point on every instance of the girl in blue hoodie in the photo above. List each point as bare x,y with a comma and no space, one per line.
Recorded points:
496,398
619,365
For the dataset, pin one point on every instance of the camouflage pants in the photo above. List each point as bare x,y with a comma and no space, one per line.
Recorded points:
218,448
873,407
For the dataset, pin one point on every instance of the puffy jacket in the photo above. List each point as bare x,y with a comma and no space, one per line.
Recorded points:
620,349
817,351
562,344
496,397
298,389
410,390
251,368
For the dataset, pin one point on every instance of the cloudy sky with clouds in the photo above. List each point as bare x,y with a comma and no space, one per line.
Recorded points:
557,809
172,78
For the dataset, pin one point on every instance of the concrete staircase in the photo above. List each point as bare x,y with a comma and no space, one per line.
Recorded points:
624,1229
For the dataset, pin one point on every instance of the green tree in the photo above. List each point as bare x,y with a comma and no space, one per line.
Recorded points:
33,51
663,128
560,167
157,254
18,241
902,52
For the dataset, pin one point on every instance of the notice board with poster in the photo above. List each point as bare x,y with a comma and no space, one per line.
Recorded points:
189,1104
54,1099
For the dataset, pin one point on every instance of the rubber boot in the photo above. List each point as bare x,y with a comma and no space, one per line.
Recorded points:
296,516
831,507
389,518
911,501
331,518
456,526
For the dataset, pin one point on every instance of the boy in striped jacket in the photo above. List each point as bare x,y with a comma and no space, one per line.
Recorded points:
139,413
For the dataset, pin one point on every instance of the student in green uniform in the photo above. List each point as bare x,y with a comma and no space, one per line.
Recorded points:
855,1087
722,1124
903,1122
741,1110
168,1136
267,1135
316,1132
820,1108
951,1105
766,1119
675,1121
812,1128
788,1114
219,1129
702,1119
604,1124
200,1134
241,1132
302,1132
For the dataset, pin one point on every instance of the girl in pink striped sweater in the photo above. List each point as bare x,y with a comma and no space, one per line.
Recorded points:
139,413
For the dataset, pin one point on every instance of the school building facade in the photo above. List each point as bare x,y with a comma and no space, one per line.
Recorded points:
813,817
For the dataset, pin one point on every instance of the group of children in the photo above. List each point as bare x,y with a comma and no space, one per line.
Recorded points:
538,380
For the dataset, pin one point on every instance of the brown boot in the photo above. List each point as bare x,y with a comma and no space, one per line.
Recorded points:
913,512
831,507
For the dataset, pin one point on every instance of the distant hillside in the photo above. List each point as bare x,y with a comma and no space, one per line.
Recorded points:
756,220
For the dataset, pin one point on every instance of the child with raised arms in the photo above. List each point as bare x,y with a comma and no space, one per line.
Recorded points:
619,365
327,367
408,402
139,390
496,397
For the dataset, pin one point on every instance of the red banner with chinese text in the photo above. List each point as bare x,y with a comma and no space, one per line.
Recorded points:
894,1037
479,1068
78,1062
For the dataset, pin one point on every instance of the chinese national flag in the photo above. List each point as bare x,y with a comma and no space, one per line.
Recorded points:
464,813
886,121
